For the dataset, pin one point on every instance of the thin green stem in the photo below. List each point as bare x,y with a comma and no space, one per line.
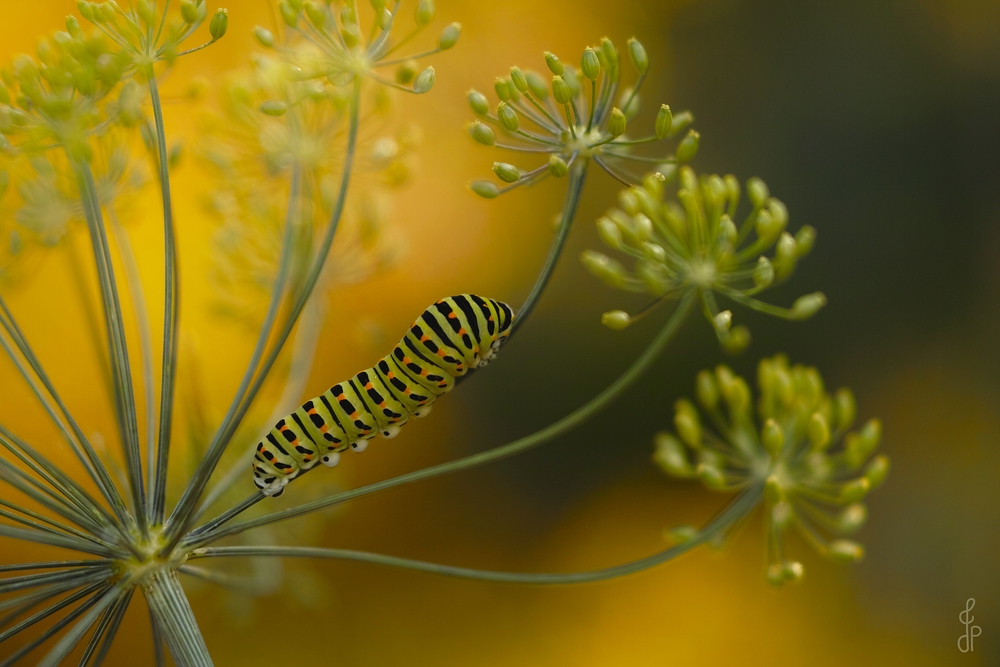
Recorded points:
64,541
736,510
88,457
571,421
94,607
175,619
570,204
138,299
48,611
171,308
114,325
184,512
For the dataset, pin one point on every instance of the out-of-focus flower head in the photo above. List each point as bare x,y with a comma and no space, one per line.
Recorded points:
815,470
690,241
574,118
54,99
354,44
41,203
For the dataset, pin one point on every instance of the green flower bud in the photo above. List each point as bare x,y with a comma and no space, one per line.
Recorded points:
723,321
502,89
552,62
804,239
383,18
519,80
483,134
680,123
846,551
773,438
449,36
687,424
845,407
855,490
478,102
707,390
569,76
146,10
767,228
778,211
818,431
189,11
609,232
288,14
108,11
776,574
425,12
558,166
316,14
485,189
350,33
507,173
877,470
793,571
86,11
637,52
378,4
424,81
73,27
536,85
515,95
590,64
508,117
663,120
219,25
680,534
688,147
616,320
711,476
808,305
609,52
274,108
757,192
669,454
727,232
608,270
406,72
263,36
617,123
763,273
737,340
297,6
852,518
561,91
869,436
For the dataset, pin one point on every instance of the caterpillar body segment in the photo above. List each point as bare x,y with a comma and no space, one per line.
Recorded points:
452,337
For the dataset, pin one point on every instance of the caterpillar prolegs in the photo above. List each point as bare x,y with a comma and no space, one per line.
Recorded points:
455,335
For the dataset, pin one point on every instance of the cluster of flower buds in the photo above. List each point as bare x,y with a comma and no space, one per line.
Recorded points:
573,118
148,34
814,469
336,29
53,99
690,241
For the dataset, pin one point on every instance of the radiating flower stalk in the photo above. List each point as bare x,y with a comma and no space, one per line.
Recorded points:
796,442
305,108
569,122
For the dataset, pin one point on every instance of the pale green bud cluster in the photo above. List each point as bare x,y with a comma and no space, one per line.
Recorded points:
795,441
573,115
687,239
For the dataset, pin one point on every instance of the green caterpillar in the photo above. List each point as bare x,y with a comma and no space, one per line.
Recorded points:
452,337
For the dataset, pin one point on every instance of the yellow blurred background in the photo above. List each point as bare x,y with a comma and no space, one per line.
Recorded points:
874,121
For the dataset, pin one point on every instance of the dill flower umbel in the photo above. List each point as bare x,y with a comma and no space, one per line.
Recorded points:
814,469
690,241
573,118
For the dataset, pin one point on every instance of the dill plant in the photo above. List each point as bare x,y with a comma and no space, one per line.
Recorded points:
796,457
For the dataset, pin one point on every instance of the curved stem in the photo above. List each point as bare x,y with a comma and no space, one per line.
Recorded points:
736,510
552,431
570,205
